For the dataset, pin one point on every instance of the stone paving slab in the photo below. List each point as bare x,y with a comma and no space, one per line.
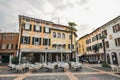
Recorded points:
83,70
7,78
96,77
7,71
103,68
47,77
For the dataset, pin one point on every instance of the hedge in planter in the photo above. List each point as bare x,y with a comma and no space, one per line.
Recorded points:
15,60
104,64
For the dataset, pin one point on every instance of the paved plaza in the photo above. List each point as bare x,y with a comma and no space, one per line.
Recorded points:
88,72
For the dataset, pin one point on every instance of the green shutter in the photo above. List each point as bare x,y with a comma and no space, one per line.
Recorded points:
44,30
49,42
68,46
33,40
30,26
34,27
40,28
43,41
28,40
39,41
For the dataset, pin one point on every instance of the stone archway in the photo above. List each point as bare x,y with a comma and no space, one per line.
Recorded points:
114,58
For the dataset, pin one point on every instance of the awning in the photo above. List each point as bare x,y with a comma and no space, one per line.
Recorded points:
46,51
80,55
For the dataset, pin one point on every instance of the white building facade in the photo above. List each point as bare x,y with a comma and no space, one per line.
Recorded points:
94,44
112,41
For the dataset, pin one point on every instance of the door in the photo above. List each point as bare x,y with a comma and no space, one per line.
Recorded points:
114,58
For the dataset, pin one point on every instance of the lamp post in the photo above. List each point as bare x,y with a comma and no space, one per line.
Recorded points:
104,51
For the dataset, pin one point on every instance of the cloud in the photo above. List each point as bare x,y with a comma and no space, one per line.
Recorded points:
86,13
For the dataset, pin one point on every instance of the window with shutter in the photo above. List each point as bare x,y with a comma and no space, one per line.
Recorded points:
4,46
119,41
46,42
119,27
36,41
28,40
40,28
104,33
44,29
107,44
114,29
43,41
63,35
32,40
54,35
37,28
39,41
59,35
68,46
28,27
34,27
25,40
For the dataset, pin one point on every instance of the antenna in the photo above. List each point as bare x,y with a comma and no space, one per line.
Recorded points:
56,19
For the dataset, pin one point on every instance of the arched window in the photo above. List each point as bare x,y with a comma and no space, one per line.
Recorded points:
63,35
59,35
54,34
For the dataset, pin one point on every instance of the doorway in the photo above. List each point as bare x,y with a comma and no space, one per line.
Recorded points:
5,58
114,58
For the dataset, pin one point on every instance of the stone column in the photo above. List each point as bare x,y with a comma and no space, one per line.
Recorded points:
17,52
68,57
61,57
56,58
42,58
10,59
45,57
111,62
20,57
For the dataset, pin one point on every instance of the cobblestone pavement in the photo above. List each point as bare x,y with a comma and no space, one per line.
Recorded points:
7,78
82,70
86,73
46,77
96,77
104,69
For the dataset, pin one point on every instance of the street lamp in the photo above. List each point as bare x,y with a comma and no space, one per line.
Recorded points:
103,42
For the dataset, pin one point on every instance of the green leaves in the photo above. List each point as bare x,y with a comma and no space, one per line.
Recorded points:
103,37
72,25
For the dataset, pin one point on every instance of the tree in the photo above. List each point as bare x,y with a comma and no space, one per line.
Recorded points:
71,25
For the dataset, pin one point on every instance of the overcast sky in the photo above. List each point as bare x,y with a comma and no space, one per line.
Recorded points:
87,14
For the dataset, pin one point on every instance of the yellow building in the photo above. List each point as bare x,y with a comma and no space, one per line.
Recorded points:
82,45
43,41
